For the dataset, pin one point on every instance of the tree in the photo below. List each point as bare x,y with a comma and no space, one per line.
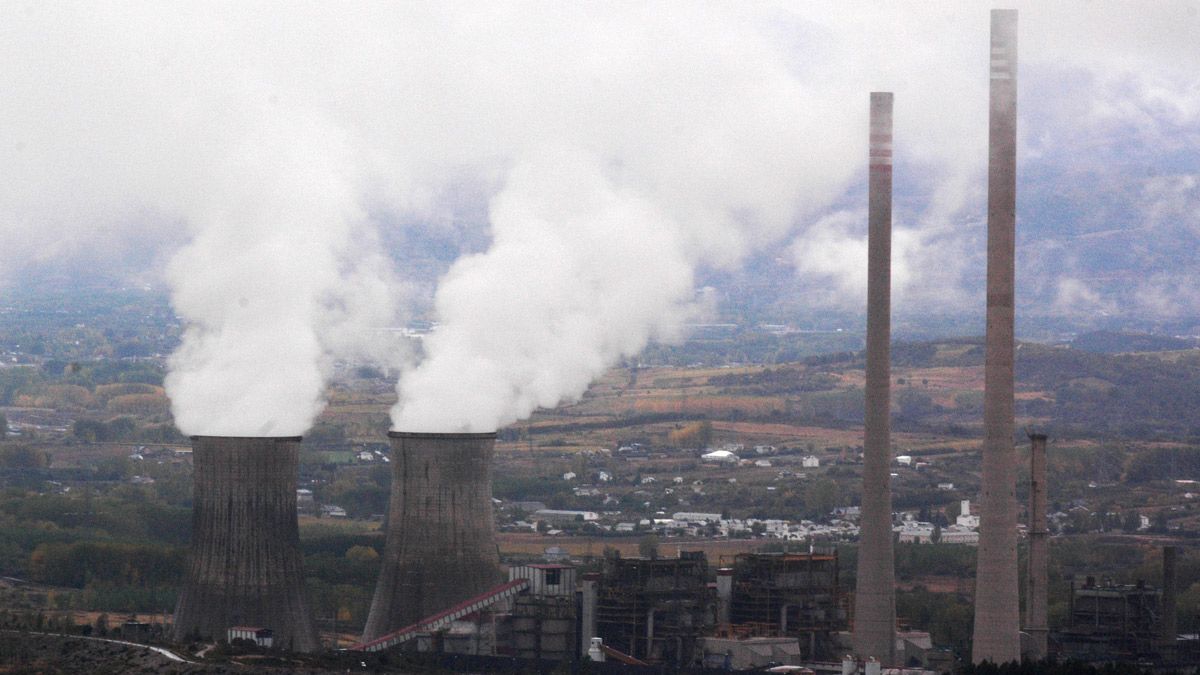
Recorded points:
1131,521
648,546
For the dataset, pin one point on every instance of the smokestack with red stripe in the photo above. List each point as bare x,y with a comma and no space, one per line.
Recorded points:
997,618
875,596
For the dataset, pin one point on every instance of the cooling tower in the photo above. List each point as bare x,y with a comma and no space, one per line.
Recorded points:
245,566
1037,576
441,543
875,595
997,621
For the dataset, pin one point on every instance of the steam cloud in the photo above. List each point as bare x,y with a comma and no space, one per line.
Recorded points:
617,150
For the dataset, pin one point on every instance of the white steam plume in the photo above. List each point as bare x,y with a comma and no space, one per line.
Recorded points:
267,286
621,146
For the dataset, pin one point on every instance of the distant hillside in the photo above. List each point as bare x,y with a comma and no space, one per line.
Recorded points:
1111,342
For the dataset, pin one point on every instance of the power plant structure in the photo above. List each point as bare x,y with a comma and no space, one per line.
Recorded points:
654,609
875,592
768,608
441,540
997,619
245,566
1037,575
786,594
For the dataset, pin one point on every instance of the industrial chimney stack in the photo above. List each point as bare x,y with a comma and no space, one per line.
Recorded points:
1037,576
245,566
441,541
997,622
1170,631
875,594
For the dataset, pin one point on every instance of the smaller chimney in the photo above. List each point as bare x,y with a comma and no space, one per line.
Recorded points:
724,596
1037,576
1170,632
965,507
588,619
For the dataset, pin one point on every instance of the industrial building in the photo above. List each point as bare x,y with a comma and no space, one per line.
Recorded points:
1108,621
654,609
787,595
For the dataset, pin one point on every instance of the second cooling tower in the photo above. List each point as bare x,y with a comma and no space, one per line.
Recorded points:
441,542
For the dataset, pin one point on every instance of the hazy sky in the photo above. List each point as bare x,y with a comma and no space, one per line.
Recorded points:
259,151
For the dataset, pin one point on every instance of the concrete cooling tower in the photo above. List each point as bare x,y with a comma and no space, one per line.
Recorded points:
441,541
245,566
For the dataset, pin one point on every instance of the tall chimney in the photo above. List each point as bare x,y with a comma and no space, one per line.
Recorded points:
245,566
1036,598
875,593
1170,632
997,636
441,541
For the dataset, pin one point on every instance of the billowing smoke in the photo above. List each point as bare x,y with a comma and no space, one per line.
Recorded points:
616,149
269,285
679,145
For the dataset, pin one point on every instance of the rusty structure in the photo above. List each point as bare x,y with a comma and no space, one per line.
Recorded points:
788,595
1037,574
244,565
875,593
997,619
654,609
441,541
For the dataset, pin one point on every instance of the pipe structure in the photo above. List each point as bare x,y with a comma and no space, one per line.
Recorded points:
997,620
244,565
587,619
1170,631
875,592
1037,576
441,536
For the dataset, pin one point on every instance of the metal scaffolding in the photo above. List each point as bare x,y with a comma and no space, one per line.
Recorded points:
788,594
655,609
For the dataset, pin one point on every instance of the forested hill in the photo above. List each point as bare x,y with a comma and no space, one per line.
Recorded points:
1073,391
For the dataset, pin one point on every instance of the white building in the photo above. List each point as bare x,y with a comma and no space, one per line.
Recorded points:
904,460
570,475
564,516
810,462
965,517
956,534
263,637
693,517
720,456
